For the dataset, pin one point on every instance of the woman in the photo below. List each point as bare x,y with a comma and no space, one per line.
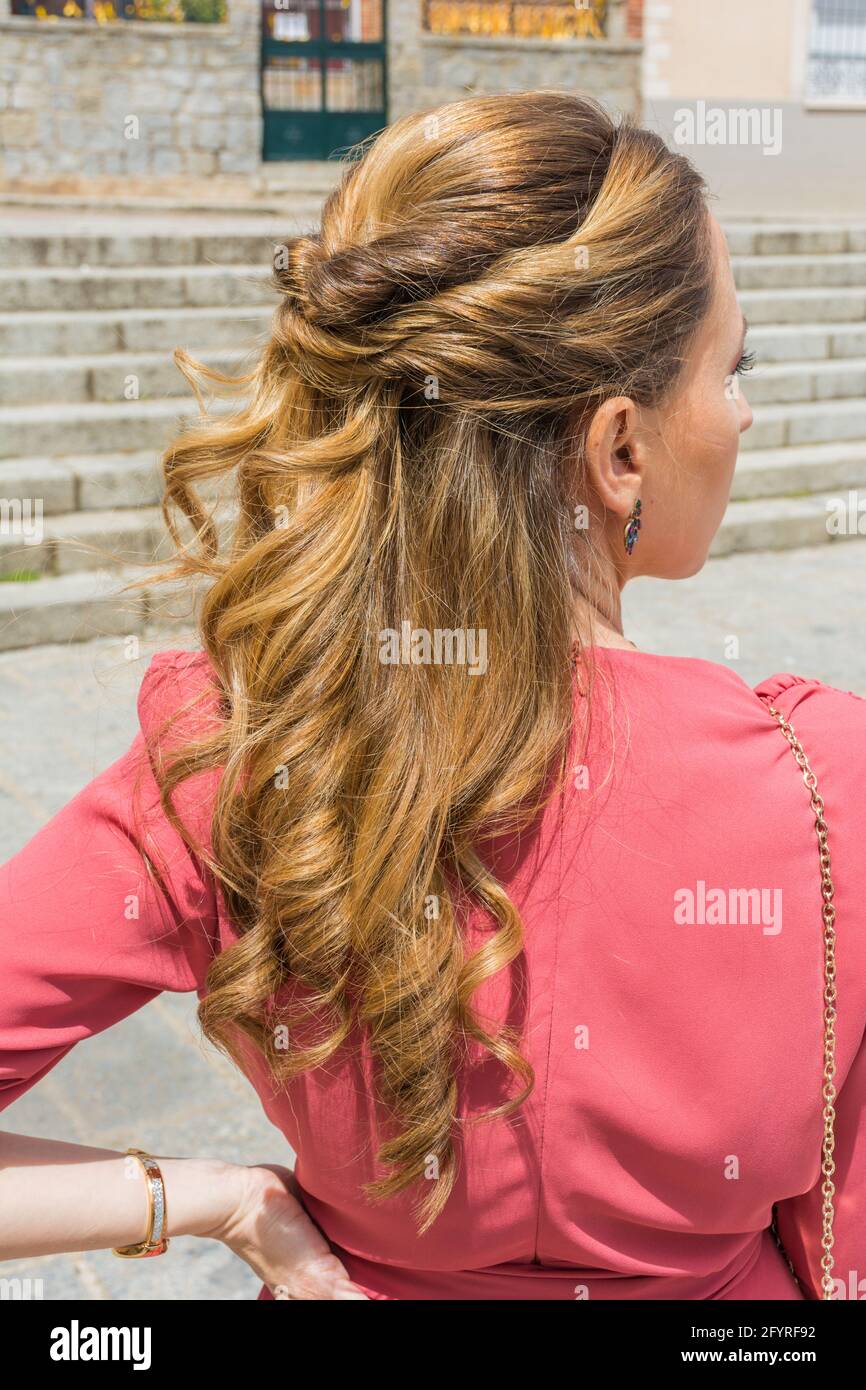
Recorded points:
431,839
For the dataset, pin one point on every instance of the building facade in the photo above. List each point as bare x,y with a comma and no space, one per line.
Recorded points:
203,89
769,99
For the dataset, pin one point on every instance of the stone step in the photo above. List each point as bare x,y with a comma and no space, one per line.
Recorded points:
794,272
774,290
85,482
106,482
79,603
807,468
91,482
293,176
779,523
70,542
775,383
90,603
153,375
145,270
757,518
105,376
148,238
125,426
133,249
146,287
95,427
103,427
76,541
827,305
807,342
154,236
109,377
68,608
132,330
812,422
100,482
792,239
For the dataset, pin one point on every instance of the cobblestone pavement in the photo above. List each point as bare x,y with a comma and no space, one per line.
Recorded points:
66,712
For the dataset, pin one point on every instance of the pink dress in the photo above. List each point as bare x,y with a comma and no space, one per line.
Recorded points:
673,1017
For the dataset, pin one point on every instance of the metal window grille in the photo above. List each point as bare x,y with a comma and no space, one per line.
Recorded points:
837,51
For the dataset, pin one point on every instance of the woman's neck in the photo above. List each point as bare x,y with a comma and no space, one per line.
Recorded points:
598,621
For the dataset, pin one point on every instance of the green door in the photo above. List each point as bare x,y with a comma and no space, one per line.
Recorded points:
323,75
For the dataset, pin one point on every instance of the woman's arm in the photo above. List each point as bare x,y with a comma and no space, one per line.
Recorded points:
87,936
57,1198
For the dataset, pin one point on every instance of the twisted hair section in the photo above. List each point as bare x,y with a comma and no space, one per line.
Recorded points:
409,450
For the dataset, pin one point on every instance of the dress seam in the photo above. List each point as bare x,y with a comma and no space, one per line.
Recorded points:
552,1016
539,1199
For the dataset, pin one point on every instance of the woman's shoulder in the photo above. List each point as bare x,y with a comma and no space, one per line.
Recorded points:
696,696
826,719
180,703
179,691
692,674
790,690
175,665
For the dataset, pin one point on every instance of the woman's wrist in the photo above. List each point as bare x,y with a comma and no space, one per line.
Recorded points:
58,1197
202,1195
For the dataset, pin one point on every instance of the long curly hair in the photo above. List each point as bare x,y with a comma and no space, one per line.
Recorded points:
407,454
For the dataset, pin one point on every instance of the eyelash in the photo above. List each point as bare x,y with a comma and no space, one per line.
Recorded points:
745,364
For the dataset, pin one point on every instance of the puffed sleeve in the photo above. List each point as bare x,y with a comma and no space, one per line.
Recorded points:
105,907
831,725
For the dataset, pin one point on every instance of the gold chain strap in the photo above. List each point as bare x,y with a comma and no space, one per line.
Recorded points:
828,912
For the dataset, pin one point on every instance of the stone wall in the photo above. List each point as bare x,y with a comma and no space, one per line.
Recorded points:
136,100
426,69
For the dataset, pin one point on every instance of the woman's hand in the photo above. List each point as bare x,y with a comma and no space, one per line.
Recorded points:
270,1230
58,1197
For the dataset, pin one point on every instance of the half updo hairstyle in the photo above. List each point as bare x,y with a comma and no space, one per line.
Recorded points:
409,447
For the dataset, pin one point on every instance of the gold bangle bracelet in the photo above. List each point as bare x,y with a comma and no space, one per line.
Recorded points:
155,1241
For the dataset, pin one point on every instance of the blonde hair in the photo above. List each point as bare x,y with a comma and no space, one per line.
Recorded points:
410,449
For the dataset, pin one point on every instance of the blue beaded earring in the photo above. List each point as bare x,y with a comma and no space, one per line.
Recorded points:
632,526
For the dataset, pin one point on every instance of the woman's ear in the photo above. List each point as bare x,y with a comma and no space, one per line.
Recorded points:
615,461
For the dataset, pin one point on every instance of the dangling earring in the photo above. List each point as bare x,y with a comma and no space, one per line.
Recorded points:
632,526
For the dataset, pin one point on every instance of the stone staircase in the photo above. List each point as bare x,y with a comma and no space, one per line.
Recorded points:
90,396
90,314
803,290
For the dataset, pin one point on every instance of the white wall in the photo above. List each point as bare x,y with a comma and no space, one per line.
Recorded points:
753,54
